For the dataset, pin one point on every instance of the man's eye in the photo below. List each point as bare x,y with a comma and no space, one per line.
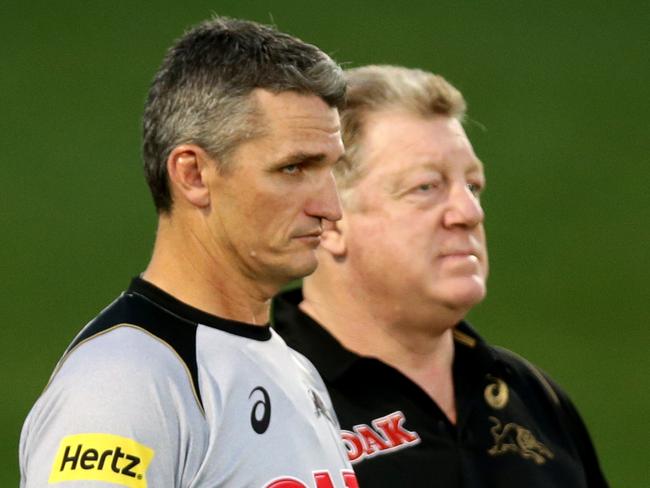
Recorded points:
426,187
474,188
291,169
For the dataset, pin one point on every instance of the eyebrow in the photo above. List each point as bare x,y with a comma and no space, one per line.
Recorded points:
475,165
302,158
397,178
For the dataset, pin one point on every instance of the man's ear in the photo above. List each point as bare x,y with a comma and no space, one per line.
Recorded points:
333,237
187,167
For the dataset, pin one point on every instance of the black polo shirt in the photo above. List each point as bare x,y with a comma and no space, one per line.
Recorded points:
515,427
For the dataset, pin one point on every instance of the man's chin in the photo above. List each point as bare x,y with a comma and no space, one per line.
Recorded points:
465,295
301,266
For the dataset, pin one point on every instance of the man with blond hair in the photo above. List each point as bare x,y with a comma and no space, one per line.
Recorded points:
422,399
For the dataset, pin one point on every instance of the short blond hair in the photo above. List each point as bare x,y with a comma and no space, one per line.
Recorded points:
377,88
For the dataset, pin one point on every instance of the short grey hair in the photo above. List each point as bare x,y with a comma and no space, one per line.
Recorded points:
201,94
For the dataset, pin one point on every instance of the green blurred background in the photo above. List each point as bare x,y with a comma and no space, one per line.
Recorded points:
559,105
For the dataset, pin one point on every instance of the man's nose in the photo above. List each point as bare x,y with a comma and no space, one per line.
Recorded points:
325,203
464,208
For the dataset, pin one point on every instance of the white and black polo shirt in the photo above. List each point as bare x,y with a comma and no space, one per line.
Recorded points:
155,393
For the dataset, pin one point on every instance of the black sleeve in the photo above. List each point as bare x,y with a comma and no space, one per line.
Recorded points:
568,417
584,445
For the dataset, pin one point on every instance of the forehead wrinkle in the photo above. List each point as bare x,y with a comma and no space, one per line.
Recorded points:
334,127
281,111
442,164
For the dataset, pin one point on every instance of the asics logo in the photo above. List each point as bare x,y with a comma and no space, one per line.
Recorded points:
261,412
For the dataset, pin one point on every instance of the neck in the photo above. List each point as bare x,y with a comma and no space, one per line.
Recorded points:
420,346
183,266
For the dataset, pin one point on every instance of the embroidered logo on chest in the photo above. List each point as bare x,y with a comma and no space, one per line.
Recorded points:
319,406
496,393
514,438
387,434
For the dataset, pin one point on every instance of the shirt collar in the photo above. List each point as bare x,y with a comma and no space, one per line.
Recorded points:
184,311
332,359
308,337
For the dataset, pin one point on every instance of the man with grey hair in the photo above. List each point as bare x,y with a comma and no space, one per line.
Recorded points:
180,382
423,400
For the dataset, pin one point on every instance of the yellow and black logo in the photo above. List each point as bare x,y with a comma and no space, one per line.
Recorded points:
496,393
102,457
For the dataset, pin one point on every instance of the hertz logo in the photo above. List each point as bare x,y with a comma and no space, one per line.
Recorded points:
102,457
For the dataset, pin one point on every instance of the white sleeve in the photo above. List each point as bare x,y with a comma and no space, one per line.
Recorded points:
120,411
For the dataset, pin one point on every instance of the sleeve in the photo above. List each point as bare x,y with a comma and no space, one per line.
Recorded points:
119,411
580,435
568,416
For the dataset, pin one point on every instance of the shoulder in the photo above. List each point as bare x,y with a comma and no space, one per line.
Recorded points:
134,337
566,412
122,375
538,384
125,352
534,375
122,388
524,369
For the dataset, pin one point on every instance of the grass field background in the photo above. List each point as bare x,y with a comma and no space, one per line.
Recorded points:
559,110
